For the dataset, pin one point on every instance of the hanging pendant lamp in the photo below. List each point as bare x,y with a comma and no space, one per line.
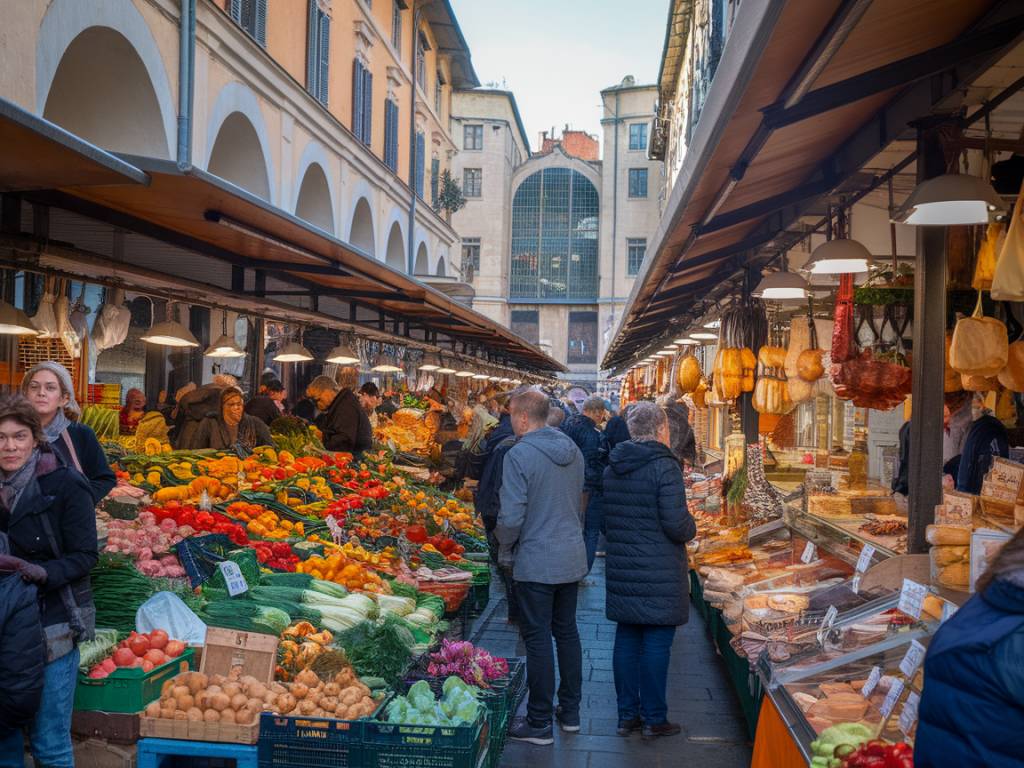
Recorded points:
14,322
838,257
952,198
225,345
343,354
170,333
779,286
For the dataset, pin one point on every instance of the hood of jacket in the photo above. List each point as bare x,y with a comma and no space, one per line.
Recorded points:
1006,593
629,456
553,443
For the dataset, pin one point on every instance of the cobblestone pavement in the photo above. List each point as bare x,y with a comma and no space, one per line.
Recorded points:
700,697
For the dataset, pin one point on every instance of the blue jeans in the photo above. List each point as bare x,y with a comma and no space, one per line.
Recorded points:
640,663
593,524
50,731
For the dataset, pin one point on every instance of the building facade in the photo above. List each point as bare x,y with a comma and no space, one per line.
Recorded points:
335,111
551,241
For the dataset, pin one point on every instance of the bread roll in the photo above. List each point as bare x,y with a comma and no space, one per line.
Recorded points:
947,535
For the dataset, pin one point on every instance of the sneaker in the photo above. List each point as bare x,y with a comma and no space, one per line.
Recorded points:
661,729
629,727
570,723
523,730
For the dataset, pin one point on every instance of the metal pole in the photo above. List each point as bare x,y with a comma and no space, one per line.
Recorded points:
748,416
925,486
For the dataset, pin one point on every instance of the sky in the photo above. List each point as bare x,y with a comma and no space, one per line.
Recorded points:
557,55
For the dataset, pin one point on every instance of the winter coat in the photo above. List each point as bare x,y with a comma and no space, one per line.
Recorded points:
195,407
487,497
681,438
305,409
972,709
213,433
901,480
986,438
22,652
345,425
62,496
584,432
647,525
90,455
263,408
615,431
540,523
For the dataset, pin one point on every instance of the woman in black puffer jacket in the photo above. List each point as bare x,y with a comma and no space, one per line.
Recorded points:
647,526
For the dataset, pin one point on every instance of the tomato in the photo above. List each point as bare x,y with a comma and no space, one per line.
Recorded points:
108,665
417,534
98,672
147,665
157,639
174,648
155,657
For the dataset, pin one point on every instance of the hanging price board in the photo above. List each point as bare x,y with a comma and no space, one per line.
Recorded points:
909,714
872,682
891,698
912,598
912,659
855,583
233,578
810,553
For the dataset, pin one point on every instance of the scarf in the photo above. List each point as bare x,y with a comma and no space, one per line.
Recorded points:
14,484
54,429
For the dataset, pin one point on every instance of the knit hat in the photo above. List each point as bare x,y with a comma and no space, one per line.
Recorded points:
63,376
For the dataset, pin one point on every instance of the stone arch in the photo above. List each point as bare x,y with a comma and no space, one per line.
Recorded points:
142,81
422,266
361,231
441,270
315,153
237,156
395,253
237,103
314,200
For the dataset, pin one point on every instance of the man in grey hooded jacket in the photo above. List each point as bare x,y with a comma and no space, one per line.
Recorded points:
540,532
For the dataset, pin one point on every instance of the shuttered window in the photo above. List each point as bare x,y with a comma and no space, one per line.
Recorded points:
317,52
251,15
391,134
362,102
420,159
435,177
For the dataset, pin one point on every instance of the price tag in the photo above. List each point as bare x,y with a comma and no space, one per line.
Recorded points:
830,617
872,682
891,698
810,553
855,584
912,598
233,578
908,716
948,609
864,561
912,659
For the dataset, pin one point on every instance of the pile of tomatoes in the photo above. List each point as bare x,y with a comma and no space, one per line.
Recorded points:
139,650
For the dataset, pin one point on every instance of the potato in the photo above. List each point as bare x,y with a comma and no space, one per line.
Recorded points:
197,681
235,673
255,690
299,690
307,707
238,701
307,677
249,680
349,696
285,703
211,716
332,689
217,680
227,716
220,701
179,715
184,701
195,714
166,687
167,713
214,688
153,709
246,715
278,688
329,703
232,689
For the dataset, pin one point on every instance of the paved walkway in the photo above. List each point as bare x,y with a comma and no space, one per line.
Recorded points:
700,697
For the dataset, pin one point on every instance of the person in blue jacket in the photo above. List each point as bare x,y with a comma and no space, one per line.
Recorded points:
972,707
49,389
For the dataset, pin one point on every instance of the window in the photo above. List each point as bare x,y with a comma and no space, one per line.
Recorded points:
391,135
420,159
435,177
421,63
472,182
555,216
638,136
472,137
317,52
636,247
470,258
251,15
438,93
526,323
582,338
362,102
396,26
638,182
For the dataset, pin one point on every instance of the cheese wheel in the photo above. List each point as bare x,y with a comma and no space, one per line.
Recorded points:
947,555
947,534
955,575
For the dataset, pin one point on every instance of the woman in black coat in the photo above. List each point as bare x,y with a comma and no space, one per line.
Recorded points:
49,388
647,526
21,650
232,427
47,512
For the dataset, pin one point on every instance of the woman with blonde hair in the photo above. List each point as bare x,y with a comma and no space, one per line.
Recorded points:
49,389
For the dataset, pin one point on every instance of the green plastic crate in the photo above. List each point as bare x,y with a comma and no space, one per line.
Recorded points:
128,690
388,745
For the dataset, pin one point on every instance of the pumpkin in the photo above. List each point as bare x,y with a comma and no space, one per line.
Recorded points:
951,379
771,395
973,383
749,365
1012,376
772,357
809,366
980,345
688,374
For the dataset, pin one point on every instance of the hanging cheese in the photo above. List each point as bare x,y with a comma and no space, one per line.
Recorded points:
1012,376
772,357
771,395
809,366
688,374
700,394
979,346
749,364
985,265
951,379
973,383
799,340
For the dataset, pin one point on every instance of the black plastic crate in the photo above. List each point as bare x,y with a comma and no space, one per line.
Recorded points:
304,742
393,745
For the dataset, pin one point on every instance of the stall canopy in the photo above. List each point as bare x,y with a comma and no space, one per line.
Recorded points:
203,213
805,95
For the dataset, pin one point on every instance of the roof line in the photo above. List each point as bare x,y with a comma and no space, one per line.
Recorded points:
515,110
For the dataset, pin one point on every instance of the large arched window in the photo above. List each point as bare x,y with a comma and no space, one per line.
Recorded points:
554,237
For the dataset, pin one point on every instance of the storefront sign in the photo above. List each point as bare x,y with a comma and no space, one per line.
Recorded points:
233,578
912,659
912,598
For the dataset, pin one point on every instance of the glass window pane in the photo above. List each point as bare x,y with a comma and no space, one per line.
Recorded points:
582,337
526,323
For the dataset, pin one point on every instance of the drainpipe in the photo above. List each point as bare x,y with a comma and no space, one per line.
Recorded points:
410,256
186,81
615,200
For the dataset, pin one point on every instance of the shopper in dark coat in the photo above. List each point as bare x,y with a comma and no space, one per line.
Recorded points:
681,437
647,525
487,499
231,428
615,432
265,406
986,439
585,430
972,708
22,651
343,422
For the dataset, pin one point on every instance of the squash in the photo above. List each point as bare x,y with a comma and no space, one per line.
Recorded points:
688,374
772,357
974,383
809,366
951,379
1012,376
171,493
980,346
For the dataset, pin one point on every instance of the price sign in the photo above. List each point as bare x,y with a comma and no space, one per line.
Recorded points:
957,509
908,716
912,659
810,553
948,609
864,561
830,617
891,698
872,682
912,598
233,578
855,584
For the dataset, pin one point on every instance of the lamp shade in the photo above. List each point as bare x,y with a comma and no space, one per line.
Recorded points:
430,363
779,286
464,374
446,369
838,257
703,336
170,333
713,324
293,352
225,346
481,376
953,198
14,322
343,354
686,342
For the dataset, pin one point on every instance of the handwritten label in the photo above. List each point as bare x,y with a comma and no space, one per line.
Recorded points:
864,561
957,509
891,698
912,598
872,682
1006,474
912,659
908,716
948,609
810,553
233,578
855,584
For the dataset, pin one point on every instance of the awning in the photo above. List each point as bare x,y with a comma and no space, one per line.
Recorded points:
36,154
450,41
805,94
